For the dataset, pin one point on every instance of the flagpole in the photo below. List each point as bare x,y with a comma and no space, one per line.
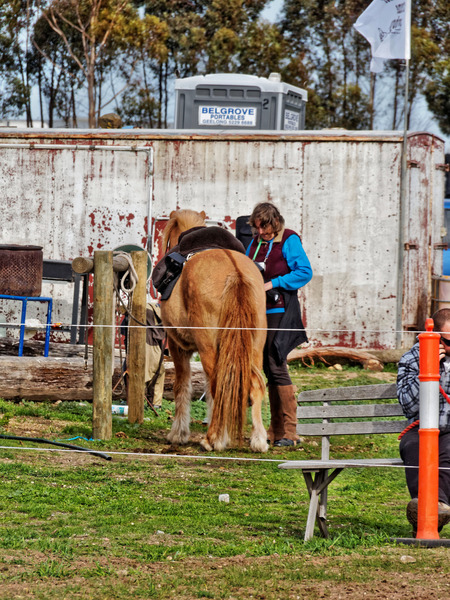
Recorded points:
402,212
387,27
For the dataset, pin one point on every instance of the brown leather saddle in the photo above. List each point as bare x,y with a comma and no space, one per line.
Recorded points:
169,268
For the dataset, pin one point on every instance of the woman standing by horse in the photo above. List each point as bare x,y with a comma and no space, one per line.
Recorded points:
285,268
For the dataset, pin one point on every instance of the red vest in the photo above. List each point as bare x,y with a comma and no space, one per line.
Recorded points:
275,264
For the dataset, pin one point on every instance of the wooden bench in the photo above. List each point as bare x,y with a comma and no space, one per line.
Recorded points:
341,411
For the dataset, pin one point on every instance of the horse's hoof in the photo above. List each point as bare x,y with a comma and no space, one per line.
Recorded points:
219,446
176,441
259,445
206,445
178,438
170,437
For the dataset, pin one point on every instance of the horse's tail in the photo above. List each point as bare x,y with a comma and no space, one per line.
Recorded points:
231,380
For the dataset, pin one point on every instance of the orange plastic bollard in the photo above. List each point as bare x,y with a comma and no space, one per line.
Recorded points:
429,353
427,518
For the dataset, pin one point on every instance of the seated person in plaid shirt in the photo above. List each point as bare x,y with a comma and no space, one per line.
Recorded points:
408,396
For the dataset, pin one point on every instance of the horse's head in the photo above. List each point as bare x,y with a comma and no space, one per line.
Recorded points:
180,220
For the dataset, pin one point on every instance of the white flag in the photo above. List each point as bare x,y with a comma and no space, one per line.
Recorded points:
386,24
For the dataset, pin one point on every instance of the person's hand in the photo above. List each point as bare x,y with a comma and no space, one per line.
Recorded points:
442,353
268,286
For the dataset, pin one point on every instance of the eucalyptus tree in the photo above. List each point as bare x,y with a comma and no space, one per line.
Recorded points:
262,49
437,94
437,89
103,37
327,56
210,36
228,24
16,68
184,42
139,106
58,76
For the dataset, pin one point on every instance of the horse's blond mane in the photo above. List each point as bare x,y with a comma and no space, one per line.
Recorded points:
181,220
188,218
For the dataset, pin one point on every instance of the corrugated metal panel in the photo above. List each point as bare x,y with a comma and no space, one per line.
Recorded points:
72,202
423,222
352,220
339,190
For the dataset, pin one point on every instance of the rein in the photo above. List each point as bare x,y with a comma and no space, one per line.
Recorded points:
441,389
412,425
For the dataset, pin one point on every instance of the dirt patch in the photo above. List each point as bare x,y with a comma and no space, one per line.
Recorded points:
38,427
172,577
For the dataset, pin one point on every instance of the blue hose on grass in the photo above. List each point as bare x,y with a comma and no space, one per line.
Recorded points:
42,441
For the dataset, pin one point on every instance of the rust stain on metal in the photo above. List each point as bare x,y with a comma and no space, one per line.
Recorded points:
127,218
105,225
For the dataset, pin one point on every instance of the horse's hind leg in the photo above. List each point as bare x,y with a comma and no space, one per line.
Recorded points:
180,432
206,442
258,440
216,438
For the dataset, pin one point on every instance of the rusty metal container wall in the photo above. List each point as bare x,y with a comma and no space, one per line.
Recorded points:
333,195
339,190
352,220
343,196
423,227
71,202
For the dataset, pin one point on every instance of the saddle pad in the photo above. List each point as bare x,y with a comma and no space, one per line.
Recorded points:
205,238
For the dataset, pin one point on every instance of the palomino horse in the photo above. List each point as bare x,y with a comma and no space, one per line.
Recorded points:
216,308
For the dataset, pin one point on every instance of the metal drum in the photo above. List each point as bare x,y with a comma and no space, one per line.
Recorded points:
21,270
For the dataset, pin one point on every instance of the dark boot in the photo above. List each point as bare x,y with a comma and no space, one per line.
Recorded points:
288,402
276,429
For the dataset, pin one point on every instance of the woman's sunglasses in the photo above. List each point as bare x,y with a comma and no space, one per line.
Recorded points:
445,342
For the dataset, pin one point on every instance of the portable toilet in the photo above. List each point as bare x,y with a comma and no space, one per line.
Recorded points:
230,100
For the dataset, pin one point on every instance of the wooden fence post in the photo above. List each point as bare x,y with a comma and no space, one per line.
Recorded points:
103,345
137,335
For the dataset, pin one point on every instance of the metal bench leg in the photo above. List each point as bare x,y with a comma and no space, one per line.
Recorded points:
317,488
314,485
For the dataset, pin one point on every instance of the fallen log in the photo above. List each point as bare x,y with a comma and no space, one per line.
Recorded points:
50,379
31,347
334,354
39,378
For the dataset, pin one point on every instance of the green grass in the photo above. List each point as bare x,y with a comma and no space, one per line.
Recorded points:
142,526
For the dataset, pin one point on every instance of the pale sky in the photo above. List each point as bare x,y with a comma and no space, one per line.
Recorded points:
271,12
422,119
